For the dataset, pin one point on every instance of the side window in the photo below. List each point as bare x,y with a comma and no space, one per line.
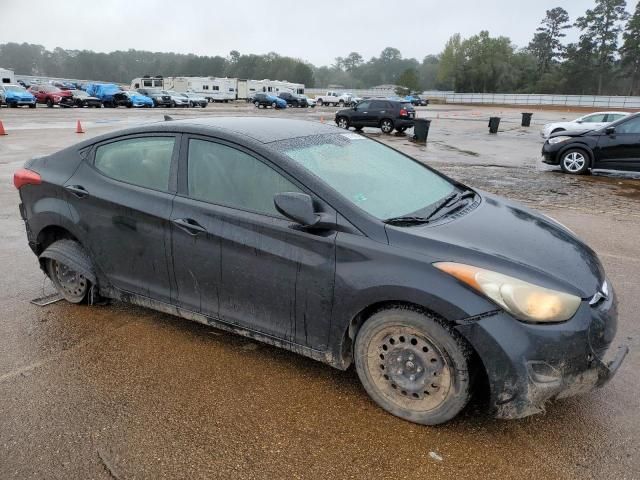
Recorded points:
377,105
632,126
363,106
142,161
594,118
224,175
612,117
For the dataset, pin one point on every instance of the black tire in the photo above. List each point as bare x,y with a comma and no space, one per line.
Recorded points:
319,102
386,125
32,105
341,103
575,161
358,129
74,290
257,104
401,129
343,122
274,104
49,103
413,365
12,105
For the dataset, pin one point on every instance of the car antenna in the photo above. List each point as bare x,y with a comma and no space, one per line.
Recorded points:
167,118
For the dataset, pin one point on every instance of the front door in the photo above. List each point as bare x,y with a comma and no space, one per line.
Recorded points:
121,198
620,150
272,278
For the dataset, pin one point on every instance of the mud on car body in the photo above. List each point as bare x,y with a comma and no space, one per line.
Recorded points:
331,245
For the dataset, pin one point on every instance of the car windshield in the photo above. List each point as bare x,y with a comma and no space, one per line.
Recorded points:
79,93
378,179
14,88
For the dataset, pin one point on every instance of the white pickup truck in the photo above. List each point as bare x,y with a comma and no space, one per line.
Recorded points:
335,98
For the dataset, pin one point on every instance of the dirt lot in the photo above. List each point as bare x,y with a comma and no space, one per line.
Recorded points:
123,392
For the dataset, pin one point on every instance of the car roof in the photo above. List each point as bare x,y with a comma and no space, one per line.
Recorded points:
260,129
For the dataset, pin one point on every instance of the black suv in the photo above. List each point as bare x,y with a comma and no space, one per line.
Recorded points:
159,99
613,147
384,114
294,100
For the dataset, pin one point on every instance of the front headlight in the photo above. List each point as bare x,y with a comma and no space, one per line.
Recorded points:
523,300
561,138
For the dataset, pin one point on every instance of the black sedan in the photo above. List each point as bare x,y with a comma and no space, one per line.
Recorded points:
331,245
614,147
83,99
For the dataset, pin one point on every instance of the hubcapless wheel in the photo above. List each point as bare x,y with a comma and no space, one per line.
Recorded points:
574,161
413,366
72,285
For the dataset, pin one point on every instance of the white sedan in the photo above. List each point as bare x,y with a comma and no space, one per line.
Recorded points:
591,121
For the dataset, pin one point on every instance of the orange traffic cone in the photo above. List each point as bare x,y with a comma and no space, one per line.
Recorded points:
79,128
321,119
2,132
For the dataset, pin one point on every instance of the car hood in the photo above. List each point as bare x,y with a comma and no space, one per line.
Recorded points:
511,239
574,133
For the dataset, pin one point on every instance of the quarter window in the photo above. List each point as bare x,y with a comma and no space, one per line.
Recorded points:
224,175
142,161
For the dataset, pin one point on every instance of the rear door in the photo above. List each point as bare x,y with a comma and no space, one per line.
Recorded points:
360,114
620,150
121,198
379,109
246,261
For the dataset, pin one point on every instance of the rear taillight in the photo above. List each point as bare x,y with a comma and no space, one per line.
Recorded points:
26,177
403,112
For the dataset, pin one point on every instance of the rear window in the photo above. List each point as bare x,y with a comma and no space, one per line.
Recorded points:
406,106
145,161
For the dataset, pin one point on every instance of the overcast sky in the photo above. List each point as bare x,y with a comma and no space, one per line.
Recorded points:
317,32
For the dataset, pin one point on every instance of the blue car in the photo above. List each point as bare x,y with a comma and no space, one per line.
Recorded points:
16,96
103,92
416,100
130,98
265,100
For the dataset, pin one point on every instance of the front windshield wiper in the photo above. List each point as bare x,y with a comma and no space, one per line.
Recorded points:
451,200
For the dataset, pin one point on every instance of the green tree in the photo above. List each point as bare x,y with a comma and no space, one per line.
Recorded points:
352,61
450,65
601,26
546,45
630,51
408,82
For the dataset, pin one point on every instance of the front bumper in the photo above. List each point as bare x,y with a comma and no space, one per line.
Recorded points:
550,154
530,364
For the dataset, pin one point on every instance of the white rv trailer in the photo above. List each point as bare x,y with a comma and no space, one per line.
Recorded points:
215,89
147,82
246,88
7,76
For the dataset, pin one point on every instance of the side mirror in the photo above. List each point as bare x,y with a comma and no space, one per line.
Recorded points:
610,130
580,121
299,208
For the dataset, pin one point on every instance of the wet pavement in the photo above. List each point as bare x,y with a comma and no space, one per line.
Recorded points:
124,392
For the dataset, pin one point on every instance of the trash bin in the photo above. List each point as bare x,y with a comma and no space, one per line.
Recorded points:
526,119
494,123
421,129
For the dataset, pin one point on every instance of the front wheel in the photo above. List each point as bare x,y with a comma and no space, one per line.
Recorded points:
413,366
575,161
49,103
257,104
341,103
319,103
386,126
274,105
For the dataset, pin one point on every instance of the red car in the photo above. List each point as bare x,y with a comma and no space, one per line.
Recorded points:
52,95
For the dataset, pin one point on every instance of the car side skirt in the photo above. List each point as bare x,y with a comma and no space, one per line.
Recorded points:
325,357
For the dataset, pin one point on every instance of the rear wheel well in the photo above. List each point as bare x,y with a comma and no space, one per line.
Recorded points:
50,234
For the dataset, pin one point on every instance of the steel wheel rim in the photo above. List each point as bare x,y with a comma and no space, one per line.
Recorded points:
72,282
574,161
342,123
408,368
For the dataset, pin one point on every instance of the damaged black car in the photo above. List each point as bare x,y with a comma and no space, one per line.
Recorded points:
334,246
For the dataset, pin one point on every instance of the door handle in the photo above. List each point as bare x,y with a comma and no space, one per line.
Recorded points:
189,225
77,190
